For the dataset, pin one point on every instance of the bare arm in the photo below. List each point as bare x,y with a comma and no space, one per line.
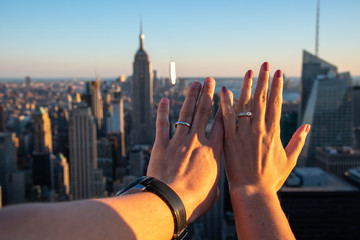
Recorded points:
189,163
111,218
256,163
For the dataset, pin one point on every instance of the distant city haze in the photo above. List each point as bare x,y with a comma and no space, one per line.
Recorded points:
204,38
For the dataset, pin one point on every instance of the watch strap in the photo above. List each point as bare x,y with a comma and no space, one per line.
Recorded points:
169,196
173,201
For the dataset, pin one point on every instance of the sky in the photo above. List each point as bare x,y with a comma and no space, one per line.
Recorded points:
81,38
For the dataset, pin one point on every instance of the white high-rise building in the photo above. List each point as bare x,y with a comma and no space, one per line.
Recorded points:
83,153
172,72
117,118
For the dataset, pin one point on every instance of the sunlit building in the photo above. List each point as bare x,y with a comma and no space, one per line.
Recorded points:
83,152
329,107
172,72
93,99
42,136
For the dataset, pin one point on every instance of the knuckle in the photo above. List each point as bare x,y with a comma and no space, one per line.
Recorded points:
163,123
277,101
186,115
258,129
204,110
261,98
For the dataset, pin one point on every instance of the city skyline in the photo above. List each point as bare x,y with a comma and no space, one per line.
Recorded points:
67,39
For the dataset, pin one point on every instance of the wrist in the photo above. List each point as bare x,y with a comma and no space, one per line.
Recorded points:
167,195
252,190
187,200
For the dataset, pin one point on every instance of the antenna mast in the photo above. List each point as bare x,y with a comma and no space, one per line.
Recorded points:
317,29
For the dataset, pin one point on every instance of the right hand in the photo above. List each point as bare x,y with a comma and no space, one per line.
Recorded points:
254,155
190,162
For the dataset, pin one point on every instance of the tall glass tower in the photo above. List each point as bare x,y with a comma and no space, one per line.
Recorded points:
327,105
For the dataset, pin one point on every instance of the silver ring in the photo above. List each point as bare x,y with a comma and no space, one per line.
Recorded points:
244,114
183,123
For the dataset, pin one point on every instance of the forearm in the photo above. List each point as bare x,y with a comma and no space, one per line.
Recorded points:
258,215
137,216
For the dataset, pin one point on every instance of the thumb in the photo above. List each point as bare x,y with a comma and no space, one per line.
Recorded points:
296,143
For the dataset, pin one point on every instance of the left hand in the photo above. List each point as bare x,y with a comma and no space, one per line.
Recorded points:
190,162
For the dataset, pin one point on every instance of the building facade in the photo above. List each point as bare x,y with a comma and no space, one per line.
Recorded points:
337,160
329,109
7,162
312,67
42,136
83,152
143,128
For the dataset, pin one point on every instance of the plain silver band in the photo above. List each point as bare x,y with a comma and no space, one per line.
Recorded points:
183,123
244,114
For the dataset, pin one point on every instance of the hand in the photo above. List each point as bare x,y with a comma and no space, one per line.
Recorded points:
254,155
190,162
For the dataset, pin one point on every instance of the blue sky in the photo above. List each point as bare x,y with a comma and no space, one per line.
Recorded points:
216,38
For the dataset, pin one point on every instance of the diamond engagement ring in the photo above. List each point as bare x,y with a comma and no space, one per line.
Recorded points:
244,114
182,123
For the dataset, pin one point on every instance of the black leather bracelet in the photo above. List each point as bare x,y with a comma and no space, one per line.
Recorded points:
172,200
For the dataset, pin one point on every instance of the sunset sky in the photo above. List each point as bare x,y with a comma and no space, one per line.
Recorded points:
71,38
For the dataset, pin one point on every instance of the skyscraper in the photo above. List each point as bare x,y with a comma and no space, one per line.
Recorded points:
142,98
117,119
2,119
92,97
83,152
329,107
311,68
28,83
7,162
172,72
42,136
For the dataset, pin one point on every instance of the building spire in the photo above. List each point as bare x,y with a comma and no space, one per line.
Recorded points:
317,29
142,36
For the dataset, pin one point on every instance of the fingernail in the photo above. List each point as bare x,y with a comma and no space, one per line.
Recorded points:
209,80
250,74
278,73
196,85
266,66
224,90
307,128
164,100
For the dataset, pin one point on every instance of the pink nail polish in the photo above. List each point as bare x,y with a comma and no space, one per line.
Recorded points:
266,66
224,90
164,100
250,74
278,73
196,85
209,80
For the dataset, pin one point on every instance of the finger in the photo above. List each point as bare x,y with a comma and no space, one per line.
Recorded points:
260,97
228,114
204,107
162,123
188,109
217,131
296,143
273,111
244,103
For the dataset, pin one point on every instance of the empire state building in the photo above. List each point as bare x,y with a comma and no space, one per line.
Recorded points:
142,98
